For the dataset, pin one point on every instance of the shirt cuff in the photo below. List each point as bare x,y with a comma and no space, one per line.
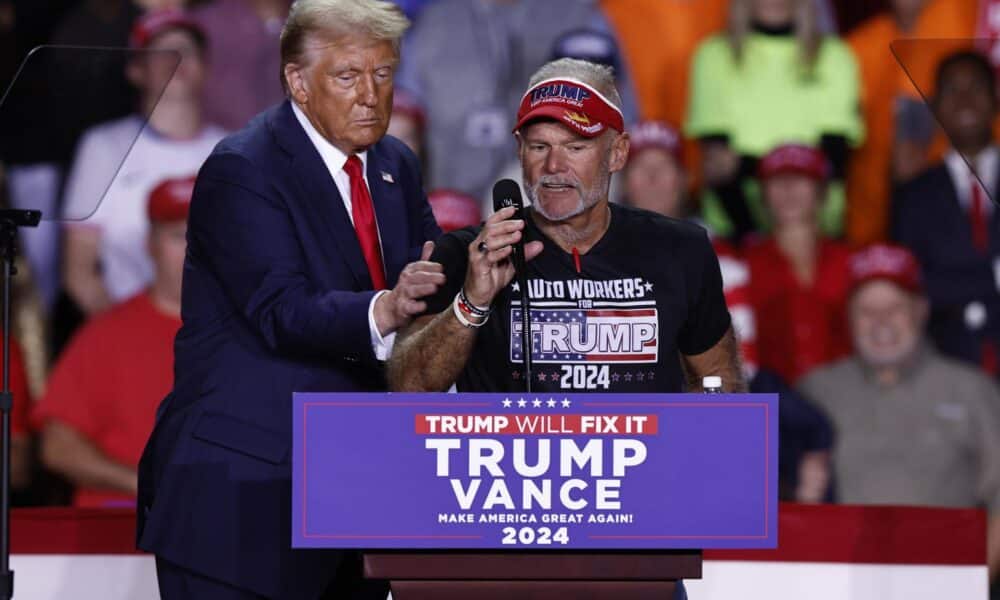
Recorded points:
381,346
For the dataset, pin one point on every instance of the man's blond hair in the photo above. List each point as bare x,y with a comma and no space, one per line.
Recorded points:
328,19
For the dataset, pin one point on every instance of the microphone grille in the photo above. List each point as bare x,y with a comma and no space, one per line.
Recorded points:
506,192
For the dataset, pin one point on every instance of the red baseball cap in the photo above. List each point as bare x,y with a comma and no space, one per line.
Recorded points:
654,134
795,158
571,102
454,210
155,22
170,200
884,261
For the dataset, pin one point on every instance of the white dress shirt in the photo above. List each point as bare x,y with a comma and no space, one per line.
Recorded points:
986,165
335,160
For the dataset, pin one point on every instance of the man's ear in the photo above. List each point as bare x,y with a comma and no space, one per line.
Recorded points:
298,89
619,152
520,141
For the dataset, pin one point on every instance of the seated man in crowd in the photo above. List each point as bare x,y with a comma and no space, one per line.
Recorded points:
105,258
102,396
913,427
654,179
946,217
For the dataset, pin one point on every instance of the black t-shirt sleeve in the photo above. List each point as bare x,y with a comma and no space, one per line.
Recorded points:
452,251
708,317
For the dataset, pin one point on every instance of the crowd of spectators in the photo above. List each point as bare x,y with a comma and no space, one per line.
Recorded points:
844,162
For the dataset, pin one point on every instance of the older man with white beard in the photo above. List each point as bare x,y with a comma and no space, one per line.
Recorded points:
912,427
656,278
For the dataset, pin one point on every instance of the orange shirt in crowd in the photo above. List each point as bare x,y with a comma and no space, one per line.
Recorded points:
109,381
799,327
658,39
945,26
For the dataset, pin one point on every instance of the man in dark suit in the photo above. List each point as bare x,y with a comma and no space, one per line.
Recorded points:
947,218
296,276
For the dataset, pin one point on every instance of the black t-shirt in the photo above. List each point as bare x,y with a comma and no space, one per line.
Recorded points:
647,291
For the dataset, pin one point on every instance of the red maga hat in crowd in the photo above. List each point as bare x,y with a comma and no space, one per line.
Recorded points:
654,134
883,261
407,103
571,102
155,22
795,158
454,210
170,200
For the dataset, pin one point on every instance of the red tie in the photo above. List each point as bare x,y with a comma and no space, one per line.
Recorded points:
364,221
977,215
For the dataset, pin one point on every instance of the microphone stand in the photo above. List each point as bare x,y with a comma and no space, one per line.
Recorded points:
522,280
10,221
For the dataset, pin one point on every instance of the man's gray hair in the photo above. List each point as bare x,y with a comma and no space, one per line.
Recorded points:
599,77
331,18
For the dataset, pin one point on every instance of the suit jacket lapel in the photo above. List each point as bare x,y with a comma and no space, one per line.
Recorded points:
322,202
390,213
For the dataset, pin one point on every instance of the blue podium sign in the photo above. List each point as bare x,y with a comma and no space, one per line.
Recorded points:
494,471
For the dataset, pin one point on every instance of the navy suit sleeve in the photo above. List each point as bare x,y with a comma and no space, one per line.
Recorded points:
421,215
243,232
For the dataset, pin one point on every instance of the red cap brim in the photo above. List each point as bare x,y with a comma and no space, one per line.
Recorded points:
575,120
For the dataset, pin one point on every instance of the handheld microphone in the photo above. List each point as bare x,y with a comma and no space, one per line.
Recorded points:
507,192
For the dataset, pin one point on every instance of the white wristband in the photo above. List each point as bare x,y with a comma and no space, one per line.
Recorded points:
461,317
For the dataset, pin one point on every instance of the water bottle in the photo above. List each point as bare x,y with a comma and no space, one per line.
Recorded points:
712,384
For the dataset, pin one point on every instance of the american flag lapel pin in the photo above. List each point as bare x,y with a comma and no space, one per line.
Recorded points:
387,177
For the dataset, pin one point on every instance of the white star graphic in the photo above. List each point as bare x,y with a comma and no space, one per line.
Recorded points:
522,403
516,287
536,402
506,402
551,403
649,287
566,402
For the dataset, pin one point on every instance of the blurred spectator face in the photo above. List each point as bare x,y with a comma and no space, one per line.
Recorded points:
564,172
407,129
966,105
887,322
655,181
345,88
167,245
792,198
155,72
407,122
773,13
793,180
